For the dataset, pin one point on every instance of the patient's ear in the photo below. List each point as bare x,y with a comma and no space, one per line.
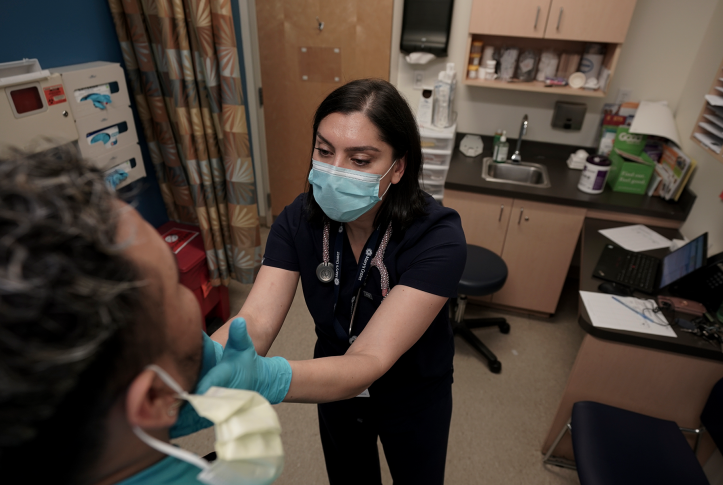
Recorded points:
150,403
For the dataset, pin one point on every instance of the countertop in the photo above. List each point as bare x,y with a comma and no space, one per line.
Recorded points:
683,343
465,174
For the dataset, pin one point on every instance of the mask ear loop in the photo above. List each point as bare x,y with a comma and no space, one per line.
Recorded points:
390,184
161,446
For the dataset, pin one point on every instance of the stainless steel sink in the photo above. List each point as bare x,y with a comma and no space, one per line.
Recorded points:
522,173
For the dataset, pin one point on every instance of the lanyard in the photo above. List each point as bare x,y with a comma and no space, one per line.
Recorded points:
365,263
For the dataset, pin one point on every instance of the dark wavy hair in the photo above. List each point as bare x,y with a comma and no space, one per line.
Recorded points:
75,322
382,104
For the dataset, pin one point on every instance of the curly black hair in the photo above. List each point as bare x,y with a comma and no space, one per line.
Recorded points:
73,313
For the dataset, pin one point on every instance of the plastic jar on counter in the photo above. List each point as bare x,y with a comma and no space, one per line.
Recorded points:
594,174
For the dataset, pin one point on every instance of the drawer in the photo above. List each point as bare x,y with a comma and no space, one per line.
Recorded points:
81,80
436,190
436,157
434,174
438,139
128,159
105,131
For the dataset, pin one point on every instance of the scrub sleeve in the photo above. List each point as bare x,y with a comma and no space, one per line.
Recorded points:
410,407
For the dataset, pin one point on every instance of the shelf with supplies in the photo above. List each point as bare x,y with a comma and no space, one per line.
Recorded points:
708,129
610,60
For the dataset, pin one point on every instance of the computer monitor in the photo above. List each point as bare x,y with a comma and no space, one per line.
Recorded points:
684,260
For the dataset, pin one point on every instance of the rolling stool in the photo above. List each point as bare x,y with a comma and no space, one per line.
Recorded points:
484,273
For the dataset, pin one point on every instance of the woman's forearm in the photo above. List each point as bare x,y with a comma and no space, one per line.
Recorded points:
332,378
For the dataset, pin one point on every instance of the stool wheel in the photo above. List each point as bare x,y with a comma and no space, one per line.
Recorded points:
496,366
505,328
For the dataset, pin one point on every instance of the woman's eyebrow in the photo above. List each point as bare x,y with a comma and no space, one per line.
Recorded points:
350,149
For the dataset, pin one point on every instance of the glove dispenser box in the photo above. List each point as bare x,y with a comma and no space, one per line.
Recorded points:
34,112
128,159
102,132
99,81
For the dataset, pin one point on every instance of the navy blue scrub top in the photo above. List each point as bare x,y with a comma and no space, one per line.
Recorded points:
429,256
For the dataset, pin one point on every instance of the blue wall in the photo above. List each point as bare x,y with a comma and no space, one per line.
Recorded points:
63,33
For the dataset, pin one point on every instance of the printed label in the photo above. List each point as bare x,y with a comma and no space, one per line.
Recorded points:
178,238
55,94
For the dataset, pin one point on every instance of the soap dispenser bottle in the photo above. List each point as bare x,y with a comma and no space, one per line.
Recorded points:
501,149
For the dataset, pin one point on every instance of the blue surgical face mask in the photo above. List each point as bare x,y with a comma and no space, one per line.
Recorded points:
345,194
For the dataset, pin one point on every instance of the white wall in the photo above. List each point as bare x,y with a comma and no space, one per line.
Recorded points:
663,38
707,181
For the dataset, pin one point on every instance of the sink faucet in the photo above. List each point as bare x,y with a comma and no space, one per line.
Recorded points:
516,157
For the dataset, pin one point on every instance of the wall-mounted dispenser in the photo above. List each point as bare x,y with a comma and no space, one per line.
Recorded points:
426,25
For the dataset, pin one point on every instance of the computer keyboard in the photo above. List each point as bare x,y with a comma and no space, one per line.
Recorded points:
638,271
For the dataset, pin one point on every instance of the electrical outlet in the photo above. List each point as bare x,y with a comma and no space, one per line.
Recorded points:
624,94
418,79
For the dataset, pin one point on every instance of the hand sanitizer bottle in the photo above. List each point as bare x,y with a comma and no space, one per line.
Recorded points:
501,149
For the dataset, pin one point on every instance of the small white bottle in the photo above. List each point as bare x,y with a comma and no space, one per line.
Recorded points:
501,149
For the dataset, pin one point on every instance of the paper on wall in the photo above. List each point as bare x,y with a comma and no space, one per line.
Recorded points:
655,118
714,100
636,238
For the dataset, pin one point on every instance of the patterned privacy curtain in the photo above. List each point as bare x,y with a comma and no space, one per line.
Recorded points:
182,62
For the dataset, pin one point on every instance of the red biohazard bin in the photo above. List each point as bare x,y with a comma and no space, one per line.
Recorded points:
187,244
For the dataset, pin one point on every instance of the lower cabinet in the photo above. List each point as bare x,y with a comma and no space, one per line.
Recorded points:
535,240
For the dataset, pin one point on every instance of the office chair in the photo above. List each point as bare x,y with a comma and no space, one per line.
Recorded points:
484,273
616,446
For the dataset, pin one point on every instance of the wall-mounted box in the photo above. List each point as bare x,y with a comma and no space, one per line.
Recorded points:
105,131
128,159
34,112
81,81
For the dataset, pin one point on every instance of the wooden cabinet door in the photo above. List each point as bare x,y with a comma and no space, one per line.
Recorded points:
540,242
484,217
517,18
590,20
302,63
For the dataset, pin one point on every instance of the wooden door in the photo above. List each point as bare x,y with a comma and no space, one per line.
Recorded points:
590,20
540,242
484,217
301,64
517,18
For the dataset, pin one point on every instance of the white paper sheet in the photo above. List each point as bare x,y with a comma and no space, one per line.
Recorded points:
714,100
655,118
715,119
711,141
605,312
636,238
717,131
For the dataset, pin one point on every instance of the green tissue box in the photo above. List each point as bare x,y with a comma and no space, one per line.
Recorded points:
629,173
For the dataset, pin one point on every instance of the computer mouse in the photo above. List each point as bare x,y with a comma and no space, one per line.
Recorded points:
614,289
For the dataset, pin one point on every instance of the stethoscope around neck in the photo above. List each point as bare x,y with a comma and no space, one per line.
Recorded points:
326,272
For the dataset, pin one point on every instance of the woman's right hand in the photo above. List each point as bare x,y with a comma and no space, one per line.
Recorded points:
241,367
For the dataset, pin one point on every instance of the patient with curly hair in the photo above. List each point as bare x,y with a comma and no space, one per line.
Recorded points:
91,314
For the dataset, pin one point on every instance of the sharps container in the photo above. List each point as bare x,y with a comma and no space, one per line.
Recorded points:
592,178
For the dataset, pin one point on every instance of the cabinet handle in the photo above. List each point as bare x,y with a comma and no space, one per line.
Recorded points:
502,207
520,218
559,18
537,17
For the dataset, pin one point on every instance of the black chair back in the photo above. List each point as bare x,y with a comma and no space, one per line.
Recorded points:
712,415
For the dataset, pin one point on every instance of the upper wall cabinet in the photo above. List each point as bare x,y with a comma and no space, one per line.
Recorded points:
516,18
579,20
590,20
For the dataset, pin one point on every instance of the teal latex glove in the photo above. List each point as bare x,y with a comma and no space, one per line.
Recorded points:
113,179
188,419
99,100
242,368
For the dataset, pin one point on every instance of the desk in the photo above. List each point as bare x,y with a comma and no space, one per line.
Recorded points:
669,378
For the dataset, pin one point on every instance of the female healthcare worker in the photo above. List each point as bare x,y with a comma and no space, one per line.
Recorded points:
378,259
